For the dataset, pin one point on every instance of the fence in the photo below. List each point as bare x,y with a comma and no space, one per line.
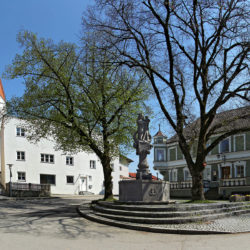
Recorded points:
28,189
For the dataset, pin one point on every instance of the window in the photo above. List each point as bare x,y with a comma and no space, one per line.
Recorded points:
112,167
240,171
21,176
70,179
20,156
239,143
160,154
207,173
47,158
20,131
69,160
47,179
159,140
172,154
92,164
187,175
120,168
90,178
224,146
172,175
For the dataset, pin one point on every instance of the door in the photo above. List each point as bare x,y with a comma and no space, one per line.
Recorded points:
83,184
225,172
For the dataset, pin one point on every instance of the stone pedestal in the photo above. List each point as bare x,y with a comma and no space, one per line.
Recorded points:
143,190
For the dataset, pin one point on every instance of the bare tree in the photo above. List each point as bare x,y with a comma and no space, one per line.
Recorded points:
195,55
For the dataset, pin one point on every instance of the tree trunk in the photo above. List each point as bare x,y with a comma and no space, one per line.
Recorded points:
108,184
197,189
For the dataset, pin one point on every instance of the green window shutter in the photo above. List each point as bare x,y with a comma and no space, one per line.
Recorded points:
248,141
215,150
172,153
180,175
239,143
179,154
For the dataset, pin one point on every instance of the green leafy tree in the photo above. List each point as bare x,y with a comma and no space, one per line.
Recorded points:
78,97
195,54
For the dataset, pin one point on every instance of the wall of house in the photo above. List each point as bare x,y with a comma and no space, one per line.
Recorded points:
85,178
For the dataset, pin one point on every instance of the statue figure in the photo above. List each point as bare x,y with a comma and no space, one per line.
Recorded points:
142,140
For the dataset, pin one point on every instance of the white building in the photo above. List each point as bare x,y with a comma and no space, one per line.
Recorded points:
41,164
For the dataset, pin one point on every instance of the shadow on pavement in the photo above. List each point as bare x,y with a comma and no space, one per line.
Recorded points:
56,219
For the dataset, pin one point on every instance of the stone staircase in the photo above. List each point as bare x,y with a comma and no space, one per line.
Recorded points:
156,217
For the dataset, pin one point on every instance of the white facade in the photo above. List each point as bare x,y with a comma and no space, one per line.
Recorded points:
41,163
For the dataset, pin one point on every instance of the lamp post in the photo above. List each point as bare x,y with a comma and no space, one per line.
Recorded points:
222,156
10,167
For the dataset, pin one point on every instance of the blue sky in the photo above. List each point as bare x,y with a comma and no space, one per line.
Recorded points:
55,19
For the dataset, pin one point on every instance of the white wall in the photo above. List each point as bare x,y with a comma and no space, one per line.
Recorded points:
33,166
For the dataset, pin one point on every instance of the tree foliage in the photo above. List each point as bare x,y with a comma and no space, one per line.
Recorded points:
195,55
77,96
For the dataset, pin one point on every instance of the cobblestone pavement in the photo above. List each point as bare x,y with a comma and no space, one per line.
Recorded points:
234,224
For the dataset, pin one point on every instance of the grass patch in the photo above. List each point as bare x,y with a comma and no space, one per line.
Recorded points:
200,201
110,199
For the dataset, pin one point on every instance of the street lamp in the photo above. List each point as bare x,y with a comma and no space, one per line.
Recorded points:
222,156
10,166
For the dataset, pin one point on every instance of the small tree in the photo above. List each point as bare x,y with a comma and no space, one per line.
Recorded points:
195,55
78,97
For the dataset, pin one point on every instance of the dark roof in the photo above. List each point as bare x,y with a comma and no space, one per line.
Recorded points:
159,133
224,121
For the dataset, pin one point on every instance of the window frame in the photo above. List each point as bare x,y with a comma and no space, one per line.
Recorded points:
92,166
164,154
171,175
20,132
21,179
189,176
44,156
170,148
238,164
244,142
68,159
20,158
229,145
70,176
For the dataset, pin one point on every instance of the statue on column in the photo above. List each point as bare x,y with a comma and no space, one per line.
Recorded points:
142,140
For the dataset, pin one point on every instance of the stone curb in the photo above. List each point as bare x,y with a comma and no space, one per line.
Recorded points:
164,214
26,198
178,207
88,214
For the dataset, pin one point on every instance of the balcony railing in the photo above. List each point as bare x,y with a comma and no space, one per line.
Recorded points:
181,185
232,182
